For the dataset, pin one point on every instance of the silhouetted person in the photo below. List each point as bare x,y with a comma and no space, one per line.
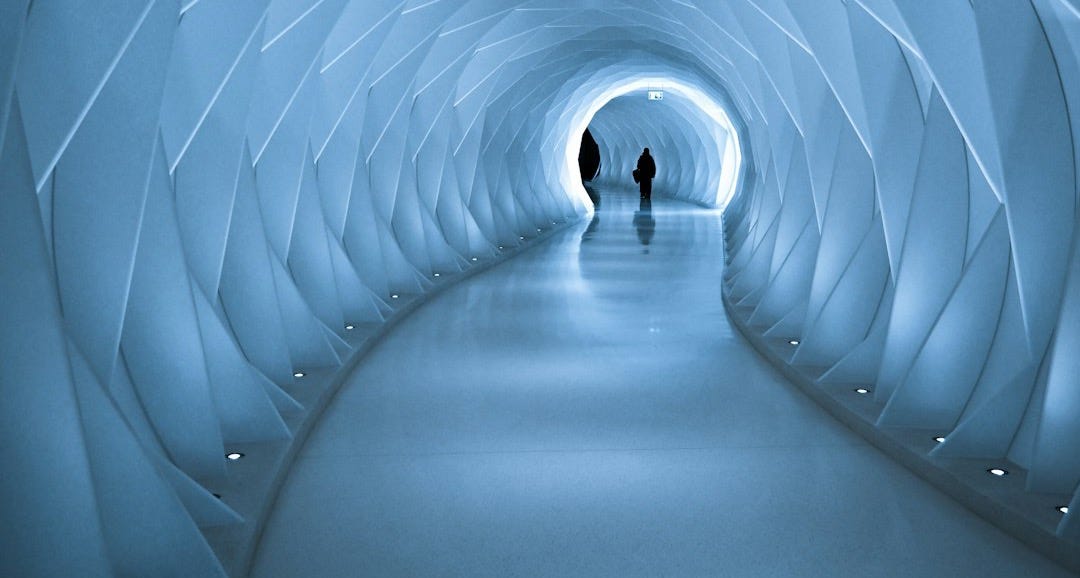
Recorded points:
646,171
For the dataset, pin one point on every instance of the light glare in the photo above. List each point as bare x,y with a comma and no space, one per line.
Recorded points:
710,110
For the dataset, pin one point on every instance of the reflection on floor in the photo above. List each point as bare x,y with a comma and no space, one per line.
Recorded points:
586,410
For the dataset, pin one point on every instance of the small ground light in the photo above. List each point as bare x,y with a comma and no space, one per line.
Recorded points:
997,472
1063,509
793,342
233,456
394,296
539,230
939,439
349,328
474,258
862,390
437,275
298,374
522,238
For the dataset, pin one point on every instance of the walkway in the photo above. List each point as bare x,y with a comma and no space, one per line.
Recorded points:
586,409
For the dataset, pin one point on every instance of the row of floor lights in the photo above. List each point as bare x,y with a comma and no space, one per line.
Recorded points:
998,472
500,248
1001,473
234,456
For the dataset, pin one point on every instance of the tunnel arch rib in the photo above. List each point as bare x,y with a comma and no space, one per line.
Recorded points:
199,198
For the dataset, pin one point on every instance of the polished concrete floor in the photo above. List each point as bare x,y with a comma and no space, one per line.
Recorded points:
586,409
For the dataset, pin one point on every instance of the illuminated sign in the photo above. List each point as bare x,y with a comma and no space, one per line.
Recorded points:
656,95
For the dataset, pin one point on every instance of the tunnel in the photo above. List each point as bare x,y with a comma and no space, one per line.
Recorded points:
223,224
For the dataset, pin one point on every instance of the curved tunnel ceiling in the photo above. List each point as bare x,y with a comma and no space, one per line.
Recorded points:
200,196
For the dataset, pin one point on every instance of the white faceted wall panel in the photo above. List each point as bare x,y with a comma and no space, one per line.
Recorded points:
941,174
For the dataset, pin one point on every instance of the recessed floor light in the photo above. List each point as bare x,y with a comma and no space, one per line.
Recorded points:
939,439
539,230
234,455
1063,509
861,390
793,342
522,238
997,472
349,328
394,296
474,258
436,275
299,374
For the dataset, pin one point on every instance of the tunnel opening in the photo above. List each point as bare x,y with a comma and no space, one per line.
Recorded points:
689,131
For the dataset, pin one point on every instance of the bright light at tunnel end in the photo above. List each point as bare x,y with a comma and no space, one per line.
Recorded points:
711,111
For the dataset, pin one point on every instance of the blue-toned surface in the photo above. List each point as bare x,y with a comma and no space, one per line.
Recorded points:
585,409
201,197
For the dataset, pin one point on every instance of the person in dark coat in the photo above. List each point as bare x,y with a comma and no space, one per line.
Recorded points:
646,171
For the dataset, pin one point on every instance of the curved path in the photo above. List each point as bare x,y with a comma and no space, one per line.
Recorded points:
585,409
